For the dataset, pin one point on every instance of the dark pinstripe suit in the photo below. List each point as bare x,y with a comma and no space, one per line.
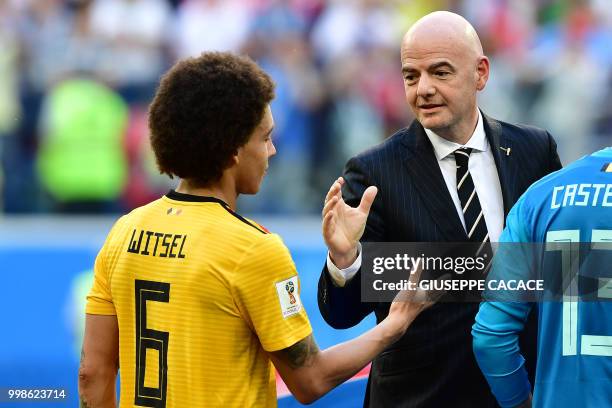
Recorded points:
432,365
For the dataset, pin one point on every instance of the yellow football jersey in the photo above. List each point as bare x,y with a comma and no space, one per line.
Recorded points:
200,294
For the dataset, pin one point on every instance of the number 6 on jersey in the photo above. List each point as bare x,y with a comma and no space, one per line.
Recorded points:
150,339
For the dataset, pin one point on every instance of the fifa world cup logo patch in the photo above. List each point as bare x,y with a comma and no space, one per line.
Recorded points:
290,288
288,296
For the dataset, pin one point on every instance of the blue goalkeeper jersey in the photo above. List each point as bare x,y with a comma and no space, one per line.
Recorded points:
574,365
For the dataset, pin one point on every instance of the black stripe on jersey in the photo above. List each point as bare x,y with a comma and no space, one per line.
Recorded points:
174,195
241,218
607,168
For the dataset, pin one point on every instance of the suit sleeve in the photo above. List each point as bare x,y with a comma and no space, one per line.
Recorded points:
341,307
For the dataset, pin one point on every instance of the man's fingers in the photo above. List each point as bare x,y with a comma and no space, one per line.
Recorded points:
329,205
432,296
328,224
420,295
368,198
435,295
415,276
403,296
339,182
334,189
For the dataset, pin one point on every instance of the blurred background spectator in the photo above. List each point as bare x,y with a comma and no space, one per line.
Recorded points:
81,162
134,34
335,63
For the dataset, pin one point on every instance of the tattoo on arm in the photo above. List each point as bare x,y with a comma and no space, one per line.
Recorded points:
301,354
82,403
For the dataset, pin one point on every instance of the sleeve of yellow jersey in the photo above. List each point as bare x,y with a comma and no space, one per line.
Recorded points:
99,299
267,292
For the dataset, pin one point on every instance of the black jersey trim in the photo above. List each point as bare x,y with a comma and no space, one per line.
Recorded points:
241,218
174,195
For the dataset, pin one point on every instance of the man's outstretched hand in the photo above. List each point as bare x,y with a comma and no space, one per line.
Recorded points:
343,225
409,303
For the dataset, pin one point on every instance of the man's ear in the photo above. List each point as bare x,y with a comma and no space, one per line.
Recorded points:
236,157
482,73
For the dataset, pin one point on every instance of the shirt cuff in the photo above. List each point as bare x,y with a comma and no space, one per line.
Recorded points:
341,276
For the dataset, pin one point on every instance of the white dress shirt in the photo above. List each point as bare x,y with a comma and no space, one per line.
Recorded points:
486,181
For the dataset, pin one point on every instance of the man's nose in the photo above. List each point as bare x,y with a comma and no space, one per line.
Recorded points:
271,150
425,87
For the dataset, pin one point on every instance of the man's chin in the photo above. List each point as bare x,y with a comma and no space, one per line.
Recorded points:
432,122
252,190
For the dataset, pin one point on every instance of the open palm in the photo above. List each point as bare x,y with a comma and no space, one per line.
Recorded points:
343,225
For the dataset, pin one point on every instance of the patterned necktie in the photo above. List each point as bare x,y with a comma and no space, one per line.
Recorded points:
475,224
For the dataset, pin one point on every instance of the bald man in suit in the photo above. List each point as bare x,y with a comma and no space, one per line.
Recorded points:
451,176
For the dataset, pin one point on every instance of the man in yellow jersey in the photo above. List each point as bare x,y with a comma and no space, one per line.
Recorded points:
193,301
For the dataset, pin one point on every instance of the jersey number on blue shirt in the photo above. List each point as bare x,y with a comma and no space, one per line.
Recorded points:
557,241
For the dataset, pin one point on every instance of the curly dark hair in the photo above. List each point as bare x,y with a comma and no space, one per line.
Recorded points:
205,109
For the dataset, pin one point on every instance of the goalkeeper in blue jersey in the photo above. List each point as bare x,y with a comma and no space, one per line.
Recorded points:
574,366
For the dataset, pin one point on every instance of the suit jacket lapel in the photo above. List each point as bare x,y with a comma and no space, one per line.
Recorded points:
420,161
506,163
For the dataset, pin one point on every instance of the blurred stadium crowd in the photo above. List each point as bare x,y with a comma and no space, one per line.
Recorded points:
76,77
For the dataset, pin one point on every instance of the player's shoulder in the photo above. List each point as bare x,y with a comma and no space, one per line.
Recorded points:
125,222
265,259
215,211
562,175
137,214
128,219
249,226
259,248
242,234
268,246
539,192
247,234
